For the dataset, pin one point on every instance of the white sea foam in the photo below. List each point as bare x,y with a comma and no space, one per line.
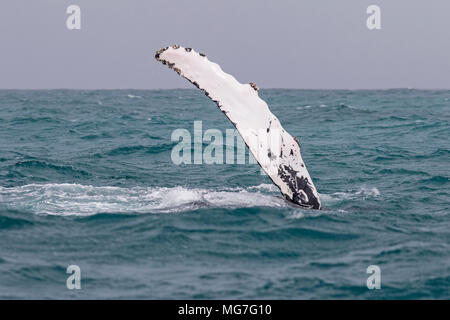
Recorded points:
331,200
303,107
362,192
264,186
75,199
132,96
84,200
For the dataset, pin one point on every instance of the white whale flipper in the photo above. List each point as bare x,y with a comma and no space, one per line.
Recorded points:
276,151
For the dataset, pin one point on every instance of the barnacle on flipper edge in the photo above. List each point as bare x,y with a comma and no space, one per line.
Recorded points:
158,53
254,86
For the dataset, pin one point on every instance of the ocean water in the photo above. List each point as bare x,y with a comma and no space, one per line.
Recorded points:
86,178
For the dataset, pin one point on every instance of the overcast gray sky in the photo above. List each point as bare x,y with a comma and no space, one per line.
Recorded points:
283,44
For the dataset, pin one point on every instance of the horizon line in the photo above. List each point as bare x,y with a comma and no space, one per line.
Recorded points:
261,88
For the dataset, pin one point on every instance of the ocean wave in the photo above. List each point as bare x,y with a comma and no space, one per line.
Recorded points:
13,223
362,192
47,165
301,214
303,107
334,107
153,149
132,96
436,180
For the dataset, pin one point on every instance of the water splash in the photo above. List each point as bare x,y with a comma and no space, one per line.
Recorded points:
76,199
83,200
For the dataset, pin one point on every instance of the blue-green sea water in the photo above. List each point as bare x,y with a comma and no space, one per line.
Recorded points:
86,178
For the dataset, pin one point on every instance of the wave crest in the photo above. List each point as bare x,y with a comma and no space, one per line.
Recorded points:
361,193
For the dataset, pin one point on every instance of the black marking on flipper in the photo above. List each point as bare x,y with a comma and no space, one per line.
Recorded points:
298,185
158,53
268,128
253,86
270,155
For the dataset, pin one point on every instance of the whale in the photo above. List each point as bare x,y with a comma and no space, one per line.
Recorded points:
275,150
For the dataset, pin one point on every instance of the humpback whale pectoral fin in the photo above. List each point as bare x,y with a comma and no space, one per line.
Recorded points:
247,111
